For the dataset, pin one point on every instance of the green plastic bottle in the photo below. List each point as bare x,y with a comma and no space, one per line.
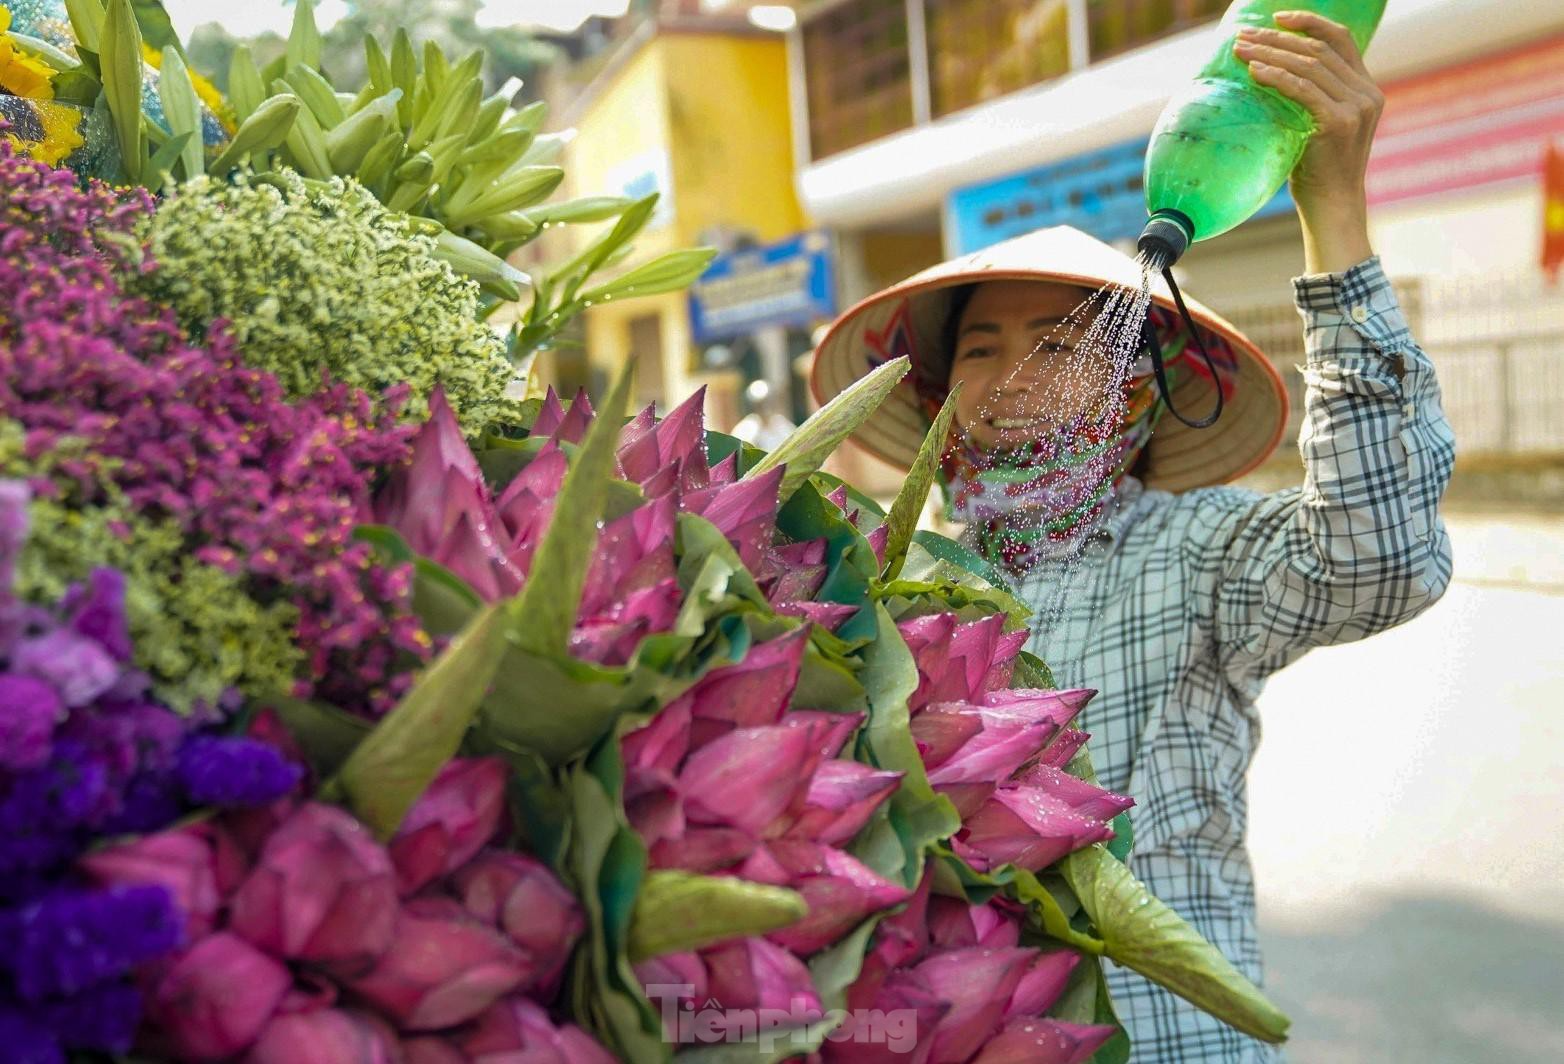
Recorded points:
1226,145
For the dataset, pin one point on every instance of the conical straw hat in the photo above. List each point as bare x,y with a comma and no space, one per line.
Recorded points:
908,318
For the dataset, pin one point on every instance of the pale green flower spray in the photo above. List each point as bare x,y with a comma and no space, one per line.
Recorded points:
317,278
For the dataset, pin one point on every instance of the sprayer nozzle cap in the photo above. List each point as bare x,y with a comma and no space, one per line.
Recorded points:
1163,238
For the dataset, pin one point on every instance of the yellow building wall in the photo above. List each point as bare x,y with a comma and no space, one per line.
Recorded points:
718,106
890,258
627,120
732,137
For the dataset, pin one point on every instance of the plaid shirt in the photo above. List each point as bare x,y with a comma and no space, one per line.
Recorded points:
1182,605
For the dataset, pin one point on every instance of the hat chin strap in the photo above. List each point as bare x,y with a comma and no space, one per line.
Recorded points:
1154,348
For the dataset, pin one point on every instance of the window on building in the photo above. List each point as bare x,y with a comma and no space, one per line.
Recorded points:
1119,25
980,49
857,74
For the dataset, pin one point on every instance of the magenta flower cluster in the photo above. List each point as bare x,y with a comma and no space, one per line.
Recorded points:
260,486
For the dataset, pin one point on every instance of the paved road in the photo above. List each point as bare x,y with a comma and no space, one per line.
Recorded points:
1407,822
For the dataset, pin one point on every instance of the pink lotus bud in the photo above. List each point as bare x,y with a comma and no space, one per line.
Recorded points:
751,693
612,638
251,827
431,1050
472,548
634,552
321,890
763,867
562,426
747,778
327,1036
994,754
803,553
942,729
832,729
311,992
755,974
214,1000
414,499
978,984
1006,651
662,484
725,471
1065,746
654,806
680,977
795,584
929,639
827,615
1085,798
637,452
644,421
526,506
1040,1041
456,816
952,658
838,889
754,691
1020,706
518,1030
183,861
745,512
703,850
954,924
1030,829
793,572
900,940
842,796
997,924
1042,984
896,1026
525,900
443,968
903,937
661,742
972,651
677,442
877,541
230,863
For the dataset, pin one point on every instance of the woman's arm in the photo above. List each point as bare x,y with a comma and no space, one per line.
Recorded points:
1360,547
1318,65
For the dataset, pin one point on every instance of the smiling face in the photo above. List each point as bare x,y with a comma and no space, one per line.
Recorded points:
1018,363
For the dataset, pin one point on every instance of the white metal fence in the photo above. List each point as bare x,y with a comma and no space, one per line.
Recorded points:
1498,343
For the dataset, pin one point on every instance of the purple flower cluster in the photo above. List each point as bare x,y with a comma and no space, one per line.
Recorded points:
232,772
83,750
84,755
260,486
69,956
71,941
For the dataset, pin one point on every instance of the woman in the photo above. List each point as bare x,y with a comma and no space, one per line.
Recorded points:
1174,596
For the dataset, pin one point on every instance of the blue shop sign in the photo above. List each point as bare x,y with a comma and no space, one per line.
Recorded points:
1101,193
789,283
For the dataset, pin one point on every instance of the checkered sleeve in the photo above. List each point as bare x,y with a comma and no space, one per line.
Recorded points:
1360,547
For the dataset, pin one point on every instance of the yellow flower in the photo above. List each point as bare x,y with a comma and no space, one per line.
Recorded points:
46,131
209,93
21,74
